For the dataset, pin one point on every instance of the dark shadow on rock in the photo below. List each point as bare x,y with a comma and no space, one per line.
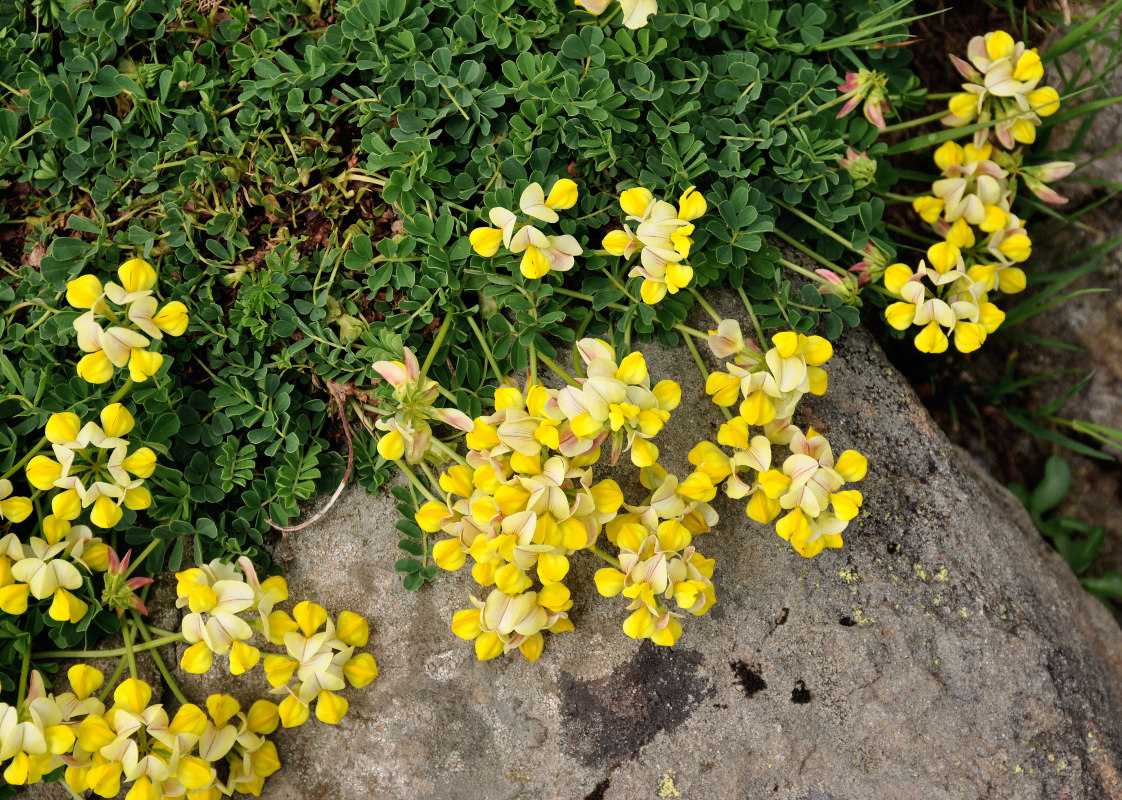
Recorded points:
608,720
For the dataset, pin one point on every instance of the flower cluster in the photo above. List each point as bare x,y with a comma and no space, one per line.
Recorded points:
48,568
135,743
323,662
982,241
134,319
407,430
635,12
870,88
808,485
93,467
541,253
661,237
1002,88
525,500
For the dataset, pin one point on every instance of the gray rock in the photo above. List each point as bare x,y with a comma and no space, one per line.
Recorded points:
945,652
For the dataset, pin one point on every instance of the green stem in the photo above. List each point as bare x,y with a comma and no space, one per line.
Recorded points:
752,316
704,371
802,270
486,349
448,451
806,251
143,555
556,368
694,332
533,366
126,634
24,668
112,653
413,479
610,559
116,676
702,302
816,224
911,123
439,340
160,665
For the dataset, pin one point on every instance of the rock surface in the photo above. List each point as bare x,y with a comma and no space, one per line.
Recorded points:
945,652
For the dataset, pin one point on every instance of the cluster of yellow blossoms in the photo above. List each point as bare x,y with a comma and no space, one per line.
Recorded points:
93,467
1002,87
408,433
525,500
661,237
202,755
635,12
47,567
971,204
134,319
322,662
541,253
808,484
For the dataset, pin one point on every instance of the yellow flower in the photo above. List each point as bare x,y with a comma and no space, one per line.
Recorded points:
485,241
13,509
